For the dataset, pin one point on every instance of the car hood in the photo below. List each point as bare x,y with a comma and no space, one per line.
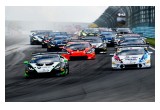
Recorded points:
39,39
44,67
131,59
96,44
78,49
60,42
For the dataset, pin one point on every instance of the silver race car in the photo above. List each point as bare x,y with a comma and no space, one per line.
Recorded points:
97,43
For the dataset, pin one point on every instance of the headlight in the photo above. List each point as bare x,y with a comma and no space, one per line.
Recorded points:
31,68
90,51
34,38
52,45
58,66
101,46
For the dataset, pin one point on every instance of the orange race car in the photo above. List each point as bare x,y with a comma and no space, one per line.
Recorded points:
78,50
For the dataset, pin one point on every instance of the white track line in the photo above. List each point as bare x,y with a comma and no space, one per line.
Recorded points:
152,48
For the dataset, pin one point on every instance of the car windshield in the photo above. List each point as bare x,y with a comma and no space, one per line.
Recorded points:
40,36
93,40
77,45
131,52
45,59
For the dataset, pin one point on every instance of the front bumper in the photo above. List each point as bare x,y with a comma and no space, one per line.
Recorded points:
55,47
35,73
125,66
35,41
98,50
44,44
87,56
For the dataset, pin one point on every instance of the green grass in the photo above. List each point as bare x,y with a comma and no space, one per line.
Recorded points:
151,41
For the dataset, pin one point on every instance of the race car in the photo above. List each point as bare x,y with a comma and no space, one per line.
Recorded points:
108,37
89,32
97,43
46,64
79,49
133,41
51,36
132,36
131,57
57,43
120,32
37,36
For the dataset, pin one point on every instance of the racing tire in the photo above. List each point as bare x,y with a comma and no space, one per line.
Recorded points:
30,77
31,43
66,73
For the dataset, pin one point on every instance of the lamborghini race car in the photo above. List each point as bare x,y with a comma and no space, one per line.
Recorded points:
57,43
108,37
97,43
120,32
89,32
46,64
37,36
131,57
79,49
50,36
131,36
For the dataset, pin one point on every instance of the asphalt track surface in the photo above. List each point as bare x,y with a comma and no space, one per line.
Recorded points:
88,81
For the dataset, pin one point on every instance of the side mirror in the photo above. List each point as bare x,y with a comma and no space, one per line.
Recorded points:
111,54
26,62
147,43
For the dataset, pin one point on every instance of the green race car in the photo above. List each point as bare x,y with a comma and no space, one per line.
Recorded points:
46,64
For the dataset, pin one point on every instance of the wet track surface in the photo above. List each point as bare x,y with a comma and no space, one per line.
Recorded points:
89,80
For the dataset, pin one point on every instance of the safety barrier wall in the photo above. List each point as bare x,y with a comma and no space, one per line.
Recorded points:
147,31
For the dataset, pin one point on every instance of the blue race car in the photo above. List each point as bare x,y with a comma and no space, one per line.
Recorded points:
57,43
108,37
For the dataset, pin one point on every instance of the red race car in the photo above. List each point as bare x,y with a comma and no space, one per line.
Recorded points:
79,49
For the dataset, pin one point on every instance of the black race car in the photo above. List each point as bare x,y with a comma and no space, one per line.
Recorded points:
37,36
97,43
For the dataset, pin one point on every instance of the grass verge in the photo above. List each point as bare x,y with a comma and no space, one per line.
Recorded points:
151,41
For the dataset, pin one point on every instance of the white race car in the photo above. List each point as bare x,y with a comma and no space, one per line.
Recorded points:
46,64
131,57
